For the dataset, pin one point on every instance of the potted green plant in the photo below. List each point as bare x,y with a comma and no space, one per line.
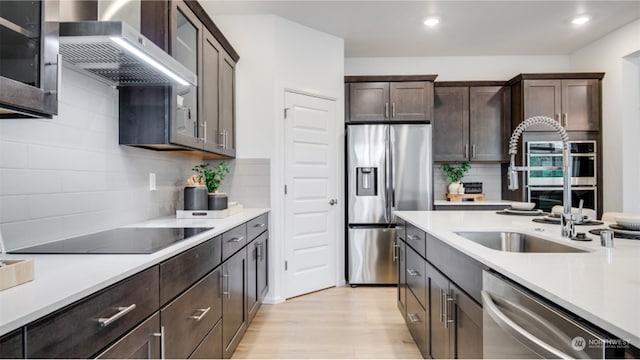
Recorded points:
455,174
212,178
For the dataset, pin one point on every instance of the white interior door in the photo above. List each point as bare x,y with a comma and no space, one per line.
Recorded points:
310,209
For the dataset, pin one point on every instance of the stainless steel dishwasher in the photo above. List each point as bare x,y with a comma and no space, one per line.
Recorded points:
518,324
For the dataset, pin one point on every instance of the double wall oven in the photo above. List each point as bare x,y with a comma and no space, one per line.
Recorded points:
544,187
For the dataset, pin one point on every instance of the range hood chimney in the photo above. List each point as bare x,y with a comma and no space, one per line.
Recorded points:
102,37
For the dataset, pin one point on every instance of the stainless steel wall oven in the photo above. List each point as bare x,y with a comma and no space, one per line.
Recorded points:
544,187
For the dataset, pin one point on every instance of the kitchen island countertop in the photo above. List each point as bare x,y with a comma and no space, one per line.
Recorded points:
60,280
601,285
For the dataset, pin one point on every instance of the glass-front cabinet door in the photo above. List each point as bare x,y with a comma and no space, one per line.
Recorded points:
28,60
187,127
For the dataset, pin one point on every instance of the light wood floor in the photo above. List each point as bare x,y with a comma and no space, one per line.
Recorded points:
343,322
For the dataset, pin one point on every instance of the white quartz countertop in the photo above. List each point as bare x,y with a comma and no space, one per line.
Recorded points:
506,203
60,280
601,286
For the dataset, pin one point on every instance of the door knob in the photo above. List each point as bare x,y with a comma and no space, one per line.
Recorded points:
333,202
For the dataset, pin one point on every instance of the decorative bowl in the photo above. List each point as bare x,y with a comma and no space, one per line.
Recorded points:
631,222
517,205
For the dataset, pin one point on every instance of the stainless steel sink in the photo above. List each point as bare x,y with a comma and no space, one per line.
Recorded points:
516,242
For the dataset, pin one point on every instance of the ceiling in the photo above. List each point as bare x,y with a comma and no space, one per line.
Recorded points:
395,28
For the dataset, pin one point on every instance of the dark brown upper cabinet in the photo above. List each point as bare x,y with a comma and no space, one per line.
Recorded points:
198,120
29,62
471,123
571,99
389,98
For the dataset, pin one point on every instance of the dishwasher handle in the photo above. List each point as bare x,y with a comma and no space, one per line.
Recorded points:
509,326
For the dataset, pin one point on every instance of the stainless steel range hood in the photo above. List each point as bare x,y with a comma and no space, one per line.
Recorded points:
115,51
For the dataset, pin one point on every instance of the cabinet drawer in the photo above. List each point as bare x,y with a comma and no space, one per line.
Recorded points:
417,322
257,226
211,346
143,342
233,240
82,329
181,271
401,227
416,276
416,238
188,319
11,345
460,268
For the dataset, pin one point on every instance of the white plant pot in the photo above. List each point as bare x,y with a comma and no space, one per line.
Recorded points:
454,188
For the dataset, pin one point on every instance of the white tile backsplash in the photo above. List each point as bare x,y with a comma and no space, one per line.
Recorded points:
488,174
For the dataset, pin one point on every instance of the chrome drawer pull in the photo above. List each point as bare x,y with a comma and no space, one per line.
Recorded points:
412,237
413,272
122,311
413,318
199,317
259,225
161,336
235,239
228,292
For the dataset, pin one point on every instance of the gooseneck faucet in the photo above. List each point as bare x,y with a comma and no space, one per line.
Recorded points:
567,218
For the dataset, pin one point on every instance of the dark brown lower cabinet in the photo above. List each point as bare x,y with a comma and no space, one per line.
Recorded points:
263,267
257,277
442,328
456,320
188,319
234,315
468,317
88,326
143,342
418,323
401,249
11,345
211,346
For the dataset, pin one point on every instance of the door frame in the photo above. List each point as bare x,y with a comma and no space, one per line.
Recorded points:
277,276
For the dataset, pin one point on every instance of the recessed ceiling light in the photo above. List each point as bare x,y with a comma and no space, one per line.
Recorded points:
580,20
432,21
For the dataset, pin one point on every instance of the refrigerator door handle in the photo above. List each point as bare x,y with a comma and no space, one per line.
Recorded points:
392,170
387,174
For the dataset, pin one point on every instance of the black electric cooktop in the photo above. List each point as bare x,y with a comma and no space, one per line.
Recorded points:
116,241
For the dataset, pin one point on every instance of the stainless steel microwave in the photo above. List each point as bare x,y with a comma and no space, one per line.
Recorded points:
549,153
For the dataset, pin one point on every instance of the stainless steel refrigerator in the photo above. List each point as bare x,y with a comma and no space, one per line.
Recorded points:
388,168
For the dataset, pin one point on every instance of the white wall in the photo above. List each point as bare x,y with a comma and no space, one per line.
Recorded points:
617,55
458,68
276,54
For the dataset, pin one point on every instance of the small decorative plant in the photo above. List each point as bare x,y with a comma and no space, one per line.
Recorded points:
211,178
455,173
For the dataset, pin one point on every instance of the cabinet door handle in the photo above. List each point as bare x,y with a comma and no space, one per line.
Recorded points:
203,312
386,110
228,292
449,312
236,239
122,311
442,309
395,251
558,118
258,246
412,237
259,225
221,139
393,110
414,318
565,118
161,336
413,272
466,151
58,64
473,151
